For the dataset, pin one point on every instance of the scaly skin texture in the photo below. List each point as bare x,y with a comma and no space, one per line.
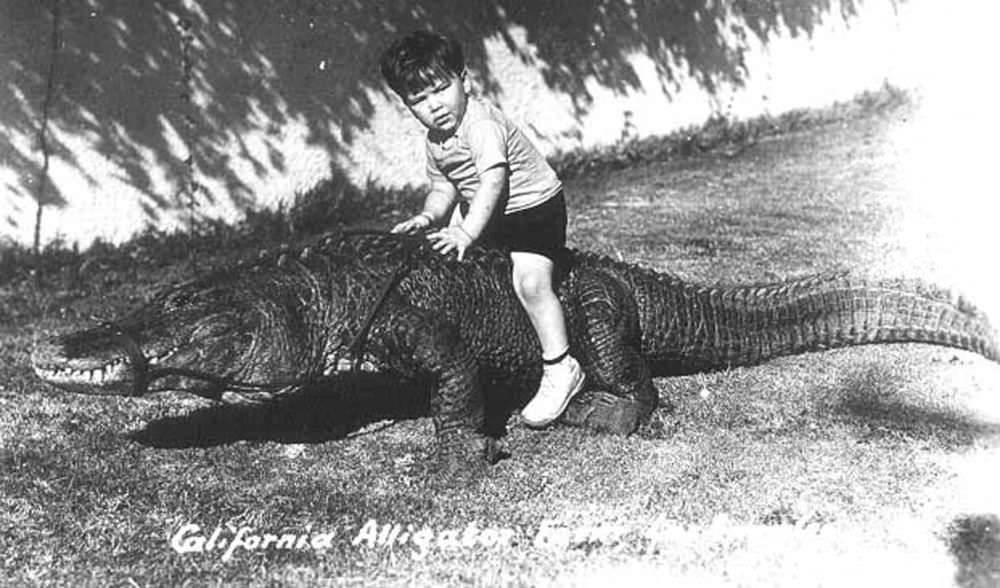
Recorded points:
270,326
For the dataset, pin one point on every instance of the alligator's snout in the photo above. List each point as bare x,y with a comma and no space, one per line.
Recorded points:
107,372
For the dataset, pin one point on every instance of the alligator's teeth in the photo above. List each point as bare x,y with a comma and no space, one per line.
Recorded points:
96,376
347,365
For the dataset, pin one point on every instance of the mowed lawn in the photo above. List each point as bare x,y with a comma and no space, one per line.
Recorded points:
862,466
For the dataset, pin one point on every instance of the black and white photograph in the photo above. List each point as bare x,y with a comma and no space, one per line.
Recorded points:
558,293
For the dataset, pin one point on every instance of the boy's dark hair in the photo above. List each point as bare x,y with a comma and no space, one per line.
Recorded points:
420,60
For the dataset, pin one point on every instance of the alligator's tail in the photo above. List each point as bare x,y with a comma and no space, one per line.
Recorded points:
694,328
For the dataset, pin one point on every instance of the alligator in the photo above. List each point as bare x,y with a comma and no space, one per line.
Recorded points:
356,302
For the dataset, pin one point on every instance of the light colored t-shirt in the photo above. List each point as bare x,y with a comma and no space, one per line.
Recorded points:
484,139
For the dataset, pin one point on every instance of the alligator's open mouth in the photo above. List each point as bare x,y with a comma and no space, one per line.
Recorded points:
114,371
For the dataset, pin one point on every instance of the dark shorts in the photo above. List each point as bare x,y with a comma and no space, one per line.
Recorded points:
540,229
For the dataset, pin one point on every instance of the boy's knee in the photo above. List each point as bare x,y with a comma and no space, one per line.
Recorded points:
532,277
531,287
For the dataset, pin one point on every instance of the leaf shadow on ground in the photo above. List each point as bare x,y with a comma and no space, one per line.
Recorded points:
874,402
974,541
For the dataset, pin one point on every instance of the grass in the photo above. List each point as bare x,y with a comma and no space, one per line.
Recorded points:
865,466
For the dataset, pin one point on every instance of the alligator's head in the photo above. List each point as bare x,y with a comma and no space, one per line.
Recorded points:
194,337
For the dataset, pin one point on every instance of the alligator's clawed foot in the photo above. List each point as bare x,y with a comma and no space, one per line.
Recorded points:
605,412
462,456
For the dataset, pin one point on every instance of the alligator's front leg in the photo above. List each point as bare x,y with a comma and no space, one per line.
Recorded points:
620,393
428,348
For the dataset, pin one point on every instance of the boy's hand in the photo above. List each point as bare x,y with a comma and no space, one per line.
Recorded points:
413,225
451,238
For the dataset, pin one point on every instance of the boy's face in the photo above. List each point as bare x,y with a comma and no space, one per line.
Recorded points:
440,106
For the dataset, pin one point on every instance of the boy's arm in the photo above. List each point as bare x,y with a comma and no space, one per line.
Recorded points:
492,184
440,201
437,205
488,144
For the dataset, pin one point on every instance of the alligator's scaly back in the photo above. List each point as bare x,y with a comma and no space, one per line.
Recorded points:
687,327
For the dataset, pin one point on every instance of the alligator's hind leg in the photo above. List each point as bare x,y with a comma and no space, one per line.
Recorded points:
604,323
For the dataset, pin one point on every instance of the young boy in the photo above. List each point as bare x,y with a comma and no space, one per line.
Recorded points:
506,191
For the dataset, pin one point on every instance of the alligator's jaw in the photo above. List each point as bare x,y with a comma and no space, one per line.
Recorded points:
110,373
112,379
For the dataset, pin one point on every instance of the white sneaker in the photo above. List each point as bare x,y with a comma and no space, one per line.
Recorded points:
560,382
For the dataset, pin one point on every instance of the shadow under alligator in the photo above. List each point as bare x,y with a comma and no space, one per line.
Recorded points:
328,411
325,412
870,401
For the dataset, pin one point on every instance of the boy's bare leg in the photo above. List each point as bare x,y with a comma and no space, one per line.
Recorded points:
533,285
562,376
